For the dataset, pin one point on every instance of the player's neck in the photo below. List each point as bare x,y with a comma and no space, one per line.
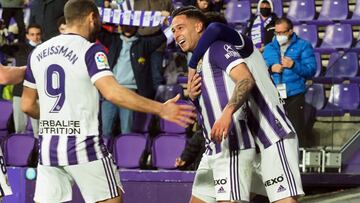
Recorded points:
79,30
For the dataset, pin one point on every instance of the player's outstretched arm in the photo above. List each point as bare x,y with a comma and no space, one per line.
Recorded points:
119,95
11,75
29,104
244,83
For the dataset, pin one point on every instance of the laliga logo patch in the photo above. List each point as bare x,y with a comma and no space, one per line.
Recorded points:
101,61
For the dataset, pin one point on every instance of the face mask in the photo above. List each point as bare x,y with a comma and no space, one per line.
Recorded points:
32,43
282,39
265,12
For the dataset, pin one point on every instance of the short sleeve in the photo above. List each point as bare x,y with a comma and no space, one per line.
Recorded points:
97,63
29,80
224,56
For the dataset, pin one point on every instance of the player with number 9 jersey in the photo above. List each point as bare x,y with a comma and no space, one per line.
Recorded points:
69,102
63,71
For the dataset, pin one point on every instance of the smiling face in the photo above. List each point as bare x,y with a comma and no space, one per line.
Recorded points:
187,32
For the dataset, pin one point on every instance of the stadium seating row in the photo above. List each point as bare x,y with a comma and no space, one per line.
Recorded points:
343,98
299,11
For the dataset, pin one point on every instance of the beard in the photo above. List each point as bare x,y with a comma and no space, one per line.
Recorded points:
94,32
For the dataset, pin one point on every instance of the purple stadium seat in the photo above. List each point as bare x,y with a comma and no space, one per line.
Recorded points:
356,13
238,12
355,18
6,110
278,7
165,92
315,96
141,122
166,149
301,10
318,64
357,45
3,134
29,126
349,98
178,4
20,149
340,69
333,106
128,150
337,36
170,127
333,10
307,32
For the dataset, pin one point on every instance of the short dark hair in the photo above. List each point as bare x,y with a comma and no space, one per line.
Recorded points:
60,21
33,25
76,10
285,20
191,12
215,17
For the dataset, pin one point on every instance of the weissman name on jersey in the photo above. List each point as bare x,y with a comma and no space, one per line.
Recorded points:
63,51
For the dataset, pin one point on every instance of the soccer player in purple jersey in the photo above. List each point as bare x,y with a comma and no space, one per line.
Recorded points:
66,73
224,173
277,163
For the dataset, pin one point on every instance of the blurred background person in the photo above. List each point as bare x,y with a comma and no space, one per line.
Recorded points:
46,14
129,58
157,57
14,9
20,52
291,61
262,25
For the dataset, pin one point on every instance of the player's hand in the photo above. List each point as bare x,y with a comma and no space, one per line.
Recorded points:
179,162
277,68
220,129
195,87
181,114
165,15
287,62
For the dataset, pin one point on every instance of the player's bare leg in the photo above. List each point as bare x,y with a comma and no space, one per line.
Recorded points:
195,200
117,199
287,200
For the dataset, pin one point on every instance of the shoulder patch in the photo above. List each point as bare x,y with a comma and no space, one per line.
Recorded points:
101,61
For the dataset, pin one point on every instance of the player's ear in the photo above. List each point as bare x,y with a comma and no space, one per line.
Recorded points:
199,26
91,17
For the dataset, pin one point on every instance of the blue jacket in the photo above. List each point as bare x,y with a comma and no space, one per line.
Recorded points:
302,53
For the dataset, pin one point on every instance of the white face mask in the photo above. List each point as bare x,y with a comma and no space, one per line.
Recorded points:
32,43
282,39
